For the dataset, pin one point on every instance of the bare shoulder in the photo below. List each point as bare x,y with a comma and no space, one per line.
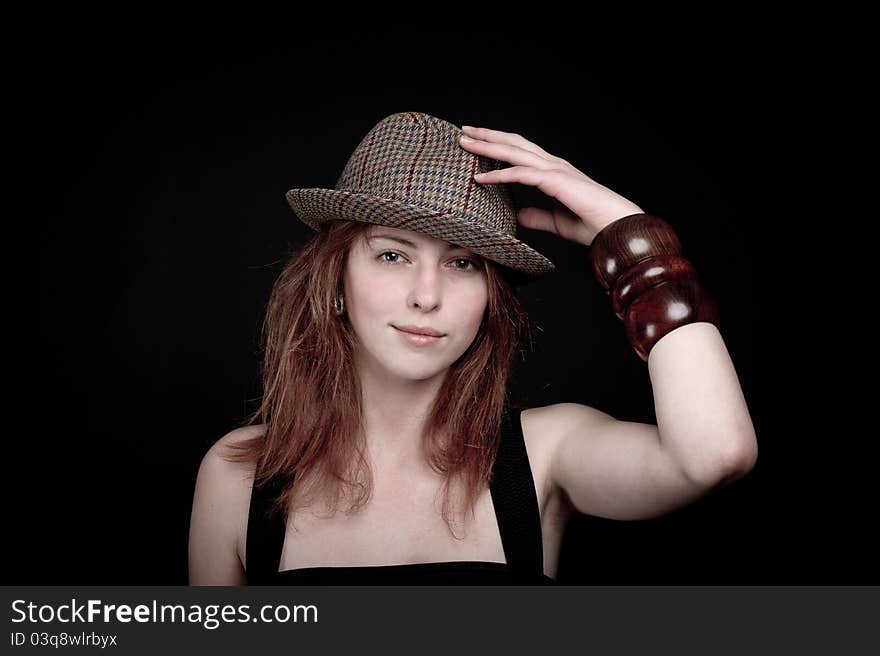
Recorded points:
234,479
543,427
611,468
218,458
555,416
220,509
221,448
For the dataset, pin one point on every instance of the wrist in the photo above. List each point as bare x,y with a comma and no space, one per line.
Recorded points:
617,214
652,288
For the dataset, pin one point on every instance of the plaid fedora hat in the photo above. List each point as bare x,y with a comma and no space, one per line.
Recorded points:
410,172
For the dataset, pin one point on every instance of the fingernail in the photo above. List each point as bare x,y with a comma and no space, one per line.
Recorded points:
464,137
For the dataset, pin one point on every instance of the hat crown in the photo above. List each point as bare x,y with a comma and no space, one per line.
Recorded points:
417,158
411,172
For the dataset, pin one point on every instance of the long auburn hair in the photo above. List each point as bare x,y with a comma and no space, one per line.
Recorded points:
311,403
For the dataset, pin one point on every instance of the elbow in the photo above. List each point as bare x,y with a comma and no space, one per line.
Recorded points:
736,463
745,456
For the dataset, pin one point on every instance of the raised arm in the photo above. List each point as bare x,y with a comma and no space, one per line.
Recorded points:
704,436
628,470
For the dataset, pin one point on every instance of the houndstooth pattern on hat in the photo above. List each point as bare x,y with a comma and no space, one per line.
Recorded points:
410,172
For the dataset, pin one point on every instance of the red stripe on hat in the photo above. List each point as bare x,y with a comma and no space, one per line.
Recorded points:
412,168
467,196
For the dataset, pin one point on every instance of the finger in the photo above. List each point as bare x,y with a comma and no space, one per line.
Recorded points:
506,152
536,218
509,138
527,175
558,223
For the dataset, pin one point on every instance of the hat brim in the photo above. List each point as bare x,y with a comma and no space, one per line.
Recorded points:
314,206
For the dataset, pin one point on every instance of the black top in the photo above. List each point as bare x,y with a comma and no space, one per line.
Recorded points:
516,509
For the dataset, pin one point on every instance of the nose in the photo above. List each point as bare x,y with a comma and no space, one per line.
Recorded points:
426,290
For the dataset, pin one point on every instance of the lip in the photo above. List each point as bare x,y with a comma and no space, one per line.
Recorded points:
416,330
416,339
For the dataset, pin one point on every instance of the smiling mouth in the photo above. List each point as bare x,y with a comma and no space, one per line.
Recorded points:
418,339
416,332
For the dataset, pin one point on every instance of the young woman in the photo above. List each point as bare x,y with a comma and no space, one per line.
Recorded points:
385,449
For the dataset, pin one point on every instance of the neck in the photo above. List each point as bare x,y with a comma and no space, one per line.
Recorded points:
395,413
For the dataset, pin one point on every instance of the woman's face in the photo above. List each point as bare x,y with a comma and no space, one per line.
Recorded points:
427,283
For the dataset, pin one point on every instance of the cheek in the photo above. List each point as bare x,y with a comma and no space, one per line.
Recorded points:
381,299
369,293
472,306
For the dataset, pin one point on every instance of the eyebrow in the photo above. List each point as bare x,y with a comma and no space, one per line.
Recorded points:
407,242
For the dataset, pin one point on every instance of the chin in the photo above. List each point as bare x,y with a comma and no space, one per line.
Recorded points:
416,373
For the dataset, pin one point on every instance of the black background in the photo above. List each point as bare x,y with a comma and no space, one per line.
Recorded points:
163,225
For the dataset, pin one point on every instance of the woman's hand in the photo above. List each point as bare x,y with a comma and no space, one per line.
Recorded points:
582,207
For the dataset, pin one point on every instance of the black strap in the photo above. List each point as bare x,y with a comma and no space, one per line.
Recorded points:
516,502
513,495
265,535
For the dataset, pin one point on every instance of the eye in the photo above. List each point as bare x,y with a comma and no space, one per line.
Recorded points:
383,254
473,265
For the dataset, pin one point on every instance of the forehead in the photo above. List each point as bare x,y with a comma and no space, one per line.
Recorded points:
418,239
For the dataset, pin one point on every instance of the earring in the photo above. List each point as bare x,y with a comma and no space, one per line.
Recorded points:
339,305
